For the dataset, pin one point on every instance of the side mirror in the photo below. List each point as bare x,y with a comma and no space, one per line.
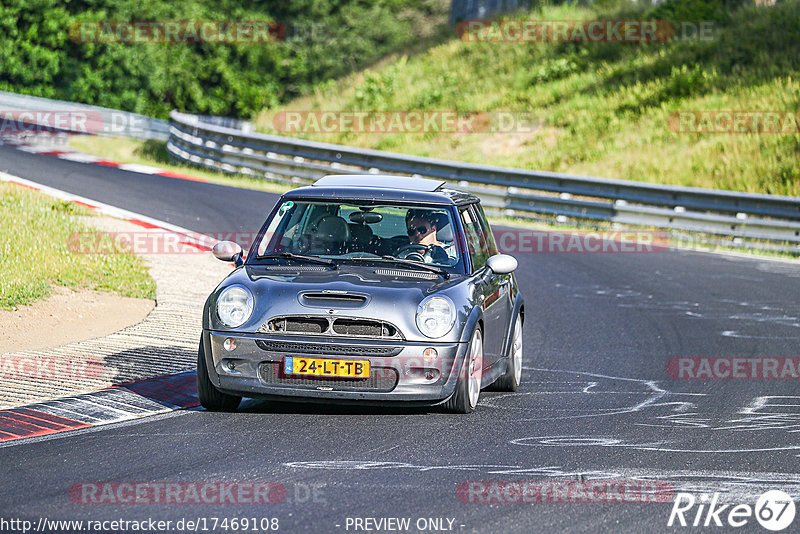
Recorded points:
228,251
502,264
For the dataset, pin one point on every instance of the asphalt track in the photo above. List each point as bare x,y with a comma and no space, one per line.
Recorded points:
596,401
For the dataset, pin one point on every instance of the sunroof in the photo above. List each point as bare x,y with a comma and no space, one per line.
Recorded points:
408,183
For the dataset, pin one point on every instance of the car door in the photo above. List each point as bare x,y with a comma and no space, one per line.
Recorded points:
507,306
487,285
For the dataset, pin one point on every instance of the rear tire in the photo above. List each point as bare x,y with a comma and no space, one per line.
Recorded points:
513,375
468,388
211,398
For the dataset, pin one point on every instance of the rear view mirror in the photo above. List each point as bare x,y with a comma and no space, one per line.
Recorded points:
368,217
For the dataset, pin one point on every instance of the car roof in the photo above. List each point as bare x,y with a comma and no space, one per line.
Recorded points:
383,188
410,183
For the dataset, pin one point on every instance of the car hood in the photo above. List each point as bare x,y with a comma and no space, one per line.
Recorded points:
350,291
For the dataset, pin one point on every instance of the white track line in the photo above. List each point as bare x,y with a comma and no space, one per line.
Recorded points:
112,211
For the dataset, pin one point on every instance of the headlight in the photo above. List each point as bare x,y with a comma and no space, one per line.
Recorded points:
436,316
234,306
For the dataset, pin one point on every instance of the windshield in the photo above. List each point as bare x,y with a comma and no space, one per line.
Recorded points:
352,232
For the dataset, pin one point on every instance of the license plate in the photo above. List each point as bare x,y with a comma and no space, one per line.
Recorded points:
296,365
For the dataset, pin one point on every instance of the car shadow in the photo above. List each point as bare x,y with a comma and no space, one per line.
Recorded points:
175,387
315,408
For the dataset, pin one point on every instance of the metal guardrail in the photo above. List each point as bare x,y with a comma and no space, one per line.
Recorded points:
99,121
511,191
232,146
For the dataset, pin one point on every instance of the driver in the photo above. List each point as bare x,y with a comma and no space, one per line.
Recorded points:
424,245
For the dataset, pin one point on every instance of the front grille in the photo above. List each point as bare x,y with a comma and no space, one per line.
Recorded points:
303,325
329,326
362,327
326,348
382,379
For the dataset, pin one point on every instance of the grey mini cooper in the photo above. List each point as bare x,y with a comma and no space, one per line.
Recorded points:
365,289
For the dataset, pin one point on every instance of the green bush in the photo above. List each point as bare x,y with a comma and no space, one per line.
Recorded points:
324,39
378,89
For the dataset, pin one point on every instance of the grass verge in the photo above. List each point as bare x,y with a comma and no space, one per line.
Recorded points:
594,108
35,235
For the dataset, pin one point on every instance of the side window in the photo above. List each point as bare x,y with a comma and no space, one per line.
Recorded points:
485,230
284,223
476,243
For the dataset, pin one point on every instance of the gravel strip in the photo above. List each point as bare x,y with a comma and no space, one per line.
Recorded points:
164,342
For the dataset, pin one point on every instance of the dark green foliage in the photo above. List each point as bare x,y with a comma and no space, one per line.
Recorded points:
324,39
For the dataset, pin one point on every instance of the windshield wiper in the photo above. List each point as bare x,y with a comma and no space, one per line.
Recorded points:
403,261
300,257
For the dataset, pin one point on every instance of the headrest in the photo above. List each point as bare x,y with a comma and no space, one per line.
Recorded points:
333,228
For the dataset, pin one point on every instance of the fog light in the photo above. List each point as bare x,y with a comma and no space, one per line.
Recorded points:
231,365
429,354
229,344
430,375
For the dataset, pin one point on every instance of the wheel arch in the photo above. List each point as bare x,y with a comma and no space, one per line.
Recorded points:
474,319
519,311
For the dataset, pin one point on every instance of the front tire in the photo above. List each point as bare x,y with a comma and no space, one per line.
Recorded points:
468,388
513,375
211,398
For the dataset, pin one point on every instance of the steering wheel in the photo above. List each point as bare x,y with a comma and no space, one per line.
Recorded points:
412,252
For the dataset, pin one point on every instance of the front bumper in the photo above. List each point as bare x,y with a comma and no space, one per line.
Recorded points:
399,371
